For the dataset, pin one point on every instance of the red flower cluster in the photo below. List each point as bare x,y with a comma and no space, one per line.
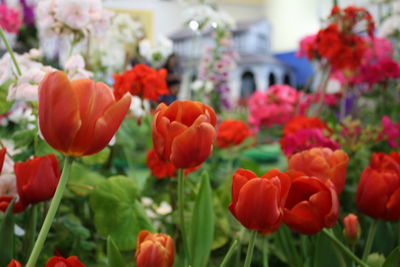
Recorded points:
142,81
232,133
339,43
302,133
378,192
304,203
162,169
343,51
31,175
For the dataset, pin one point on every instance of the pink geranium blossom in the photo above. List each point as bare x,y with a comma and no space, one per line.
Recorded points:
10,19
392,131
306,139
276,106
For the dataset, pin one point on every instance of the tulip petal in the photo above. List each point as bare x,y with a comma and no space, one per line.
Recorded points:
240,178
303,219
393,206
59,118
2,157
185,112
94,99
193,146
257,206
108,124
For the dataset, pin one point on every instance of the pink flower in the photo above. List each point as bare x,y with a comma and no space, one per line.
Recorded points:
305,139
307,46
10,19
276,106
392,131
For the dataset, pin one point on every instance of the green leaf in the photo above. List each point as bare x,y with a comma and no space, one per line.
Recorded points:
327,254
7,236
393,260
113,254
117,213
4,104
202,224
82,179
97,158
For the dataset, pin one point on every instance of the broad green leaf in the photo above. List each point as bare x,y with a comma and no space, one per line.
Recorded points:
7,236
393,260
4,104
117,213
113,254
327,254
202,224
98,158
82,180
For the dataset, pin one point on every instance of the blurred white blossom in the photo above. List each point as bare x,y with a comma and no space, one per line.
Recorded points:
157,53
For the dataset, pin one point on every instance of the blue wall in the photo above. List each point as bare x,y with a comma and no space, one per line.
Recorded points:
301,66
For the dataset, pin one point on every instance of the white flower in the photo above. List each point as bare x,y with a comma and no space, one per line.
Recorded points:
74,13
389,26
197,85
125,29
164,208
20,113
75,68
7,185
26,89
139,107
146,201
159,52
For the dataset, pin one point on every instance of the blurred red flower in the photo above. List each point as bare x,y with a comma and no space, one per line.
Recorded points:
232,133
142,81
71,261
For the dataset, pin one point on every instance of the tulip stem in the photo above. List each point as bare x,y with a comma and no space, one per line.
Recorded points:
344,248
10,51
250,249
370,239
228,255
181,212
51,213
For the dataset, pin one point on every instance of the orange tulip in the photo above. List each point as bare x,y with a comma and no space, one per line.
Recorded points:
322,163
80,117
183,133
154,250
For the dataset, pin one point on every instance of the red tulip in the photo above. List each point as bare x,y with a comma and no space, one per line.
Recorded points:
183,133
322,163
80,117
311,204
18,205
378,192
232,133
154,250
257,203
2,157
162,169
351,227
71,261
37,178
14,263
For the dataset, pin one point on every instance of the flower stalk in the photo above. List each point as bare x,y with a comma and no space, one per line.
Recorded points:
55,203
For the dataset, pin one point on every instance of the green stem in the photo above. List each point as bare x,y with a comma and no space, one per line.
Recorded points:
10,51
181,211
344,248
30,230
265,251
250,249
370,239
229,254
51,213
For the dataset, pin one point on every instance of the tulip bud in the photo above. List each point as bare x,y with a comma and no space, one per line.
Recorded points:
154,250
351,228
14,263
